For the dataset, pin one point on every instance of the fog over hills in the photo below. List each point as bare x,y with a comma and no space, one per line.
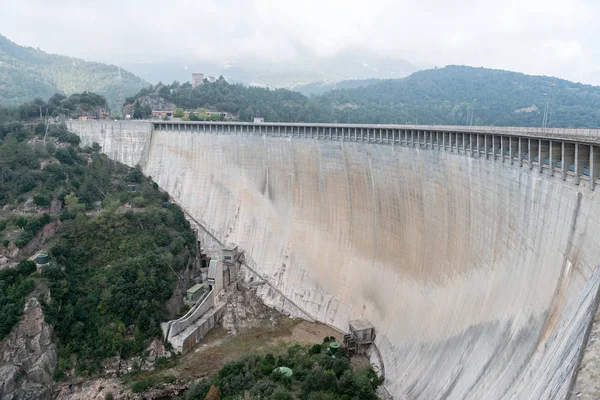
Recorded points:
27,73
348,65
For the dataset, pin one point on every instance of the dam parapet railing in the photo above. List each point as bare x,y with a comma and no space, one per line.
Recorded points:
570,154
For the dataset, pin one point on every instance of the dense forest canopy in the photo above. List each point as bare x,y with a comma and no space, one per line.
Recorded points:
117,253
57,106
246,102
453,95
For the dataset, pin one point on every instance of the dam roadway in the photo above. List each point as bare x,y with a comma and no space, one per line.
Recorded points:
472,250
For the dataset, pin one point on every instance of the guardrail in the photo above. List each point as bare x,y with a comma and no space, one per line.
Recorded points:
577,149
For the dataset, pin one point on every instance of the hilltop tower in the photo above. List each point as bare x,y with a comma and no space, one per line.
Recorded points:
197,79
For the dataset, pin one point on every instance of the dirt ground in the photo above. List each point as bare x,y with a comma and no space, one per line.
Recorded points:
219,348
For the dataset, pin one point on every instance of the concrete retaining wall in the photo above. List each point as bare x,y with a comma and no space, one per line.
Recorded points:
177,326
203,326
478,275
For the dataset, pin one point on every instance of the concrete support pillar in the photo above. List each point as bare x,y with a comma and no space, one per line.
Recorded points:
551,158
592,167
520,151
539,155
470,145
577,166
565,164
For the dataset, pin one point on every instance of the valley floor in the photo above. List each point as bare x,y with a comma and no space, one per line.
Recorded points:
247,327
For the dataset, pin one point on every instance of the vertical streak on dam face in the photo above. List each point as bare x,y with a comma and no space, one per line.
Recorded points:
455,260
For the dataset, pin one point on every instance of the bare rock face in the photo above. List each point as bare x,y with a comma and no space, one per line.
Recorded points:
28,357
245,310
156,103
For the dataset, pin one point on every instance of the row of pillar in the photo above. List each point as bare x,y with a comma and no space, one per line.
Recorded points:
569,159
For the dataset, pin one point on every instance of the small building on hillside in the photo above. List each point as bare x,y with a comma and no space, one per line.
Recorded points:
230,254
162,114
258,120
361,335
195,292
220,114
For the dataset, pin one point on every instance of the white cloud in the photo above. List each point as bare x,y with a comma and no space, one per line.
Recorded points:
555,37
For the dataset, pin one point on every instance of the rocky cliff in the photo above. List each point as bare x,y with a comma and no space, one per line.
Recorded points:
28,357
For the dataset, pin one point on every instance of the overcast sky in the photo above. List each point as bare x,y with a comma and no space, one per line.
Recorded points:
546,37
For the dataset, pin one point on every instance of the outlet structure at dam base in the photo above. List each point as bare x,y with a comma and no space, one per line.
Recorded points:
473,251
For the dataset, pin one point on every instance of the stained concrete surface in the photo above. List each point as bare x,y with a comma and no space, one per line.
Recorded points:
479,276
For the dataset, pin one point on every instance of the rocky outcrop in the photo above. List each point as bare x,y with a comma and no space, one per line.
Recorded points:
156,103
28,357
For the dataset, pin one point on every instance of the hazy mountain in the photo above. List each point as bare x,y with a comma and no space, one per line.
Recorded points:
27,73
350,65
317,88
450,95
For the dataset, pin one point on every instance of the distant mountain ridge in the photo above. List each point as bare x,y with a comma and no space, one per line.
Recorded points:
27,73
453,95
317,88
459,95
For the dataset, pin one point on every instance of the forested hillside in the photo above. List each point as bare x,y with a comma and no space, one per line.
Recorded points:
27,73
452,95
116,246
247,102
448,95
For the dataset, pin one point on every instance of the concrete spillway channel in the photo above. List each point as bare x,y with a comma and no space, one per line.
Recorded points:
473,251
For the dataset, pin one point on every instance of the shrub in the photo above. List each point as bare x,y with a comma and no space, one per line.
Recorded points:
178,245
26,267
64,156
198,391
42,199
162,237
50,148
138,202
143,385
315,349
281,394
23,239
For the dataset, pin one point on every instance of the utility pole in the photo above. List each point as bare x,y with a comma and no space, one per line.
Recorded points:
545,110
468,114
47,124
549,102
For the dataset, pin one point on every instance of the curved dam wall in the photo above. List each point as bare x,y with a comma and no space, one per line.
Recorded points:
479,275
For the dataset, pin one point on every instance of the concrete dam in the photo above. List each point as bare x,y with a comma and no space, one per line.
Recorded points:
472,250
